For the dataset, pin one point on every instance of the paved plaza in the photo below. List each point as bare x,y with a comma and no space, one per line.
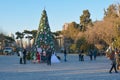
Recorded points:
10,69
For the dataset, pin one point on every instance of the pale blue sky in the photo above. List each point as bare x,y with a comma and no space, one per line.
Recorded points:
18,15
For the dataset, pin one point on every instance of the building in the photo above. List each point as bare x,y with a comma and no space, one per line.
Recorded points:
60,41
65,26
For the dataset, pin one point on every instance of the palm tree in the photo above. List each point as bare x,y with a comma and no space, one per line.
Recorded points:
34,34
29,37
6,40
9,40
20,35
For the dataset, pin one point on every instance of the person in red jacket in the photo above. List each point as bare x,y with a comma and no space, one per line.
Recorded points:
38,57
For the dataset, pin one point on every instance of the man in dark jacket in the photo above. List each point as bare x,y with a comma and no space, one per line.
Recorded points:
65,55
48,55
24,56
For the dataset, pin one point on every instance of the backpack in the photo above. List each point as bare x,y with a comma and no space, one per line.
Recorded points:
111,56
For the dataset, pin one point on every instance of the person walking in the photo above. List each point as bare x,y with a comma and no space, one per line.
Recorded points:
24,56
113,59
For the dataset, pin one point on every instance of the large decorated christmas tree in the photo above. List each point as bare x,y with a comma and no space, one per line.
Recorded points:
44,36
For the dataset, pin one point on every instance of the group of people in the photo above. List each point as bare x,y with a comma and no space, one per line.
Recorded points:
114,56
93,54
39,55
22,54
46,54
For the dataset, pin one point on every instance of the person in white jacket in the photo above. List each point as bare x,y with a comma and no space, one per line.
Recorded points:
21,56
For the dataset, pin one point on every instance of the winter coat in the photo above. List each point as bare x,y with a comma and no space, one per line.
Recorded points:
20,54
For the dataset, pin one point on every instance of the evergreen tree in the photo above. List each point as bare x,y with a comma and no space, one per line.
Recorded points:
44,35
85,20
111,11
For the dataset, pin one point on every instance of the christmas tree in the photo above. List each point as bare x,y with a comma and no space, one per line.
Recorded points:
44,36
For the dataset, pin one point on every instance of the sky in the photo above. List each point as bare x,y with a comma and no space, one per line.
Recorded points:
20,15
